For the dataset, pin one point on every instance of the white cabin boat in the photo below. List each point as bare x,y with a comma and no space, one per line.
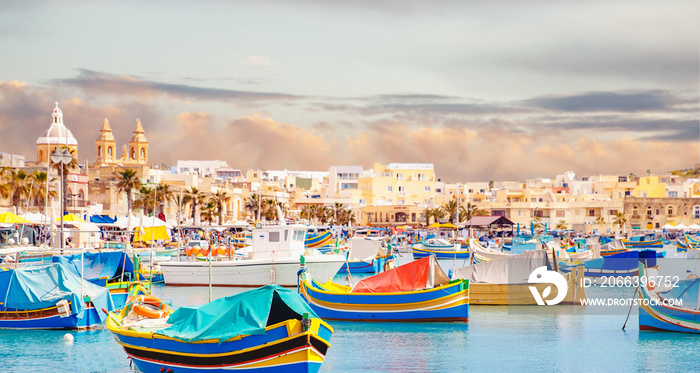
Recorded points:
272,259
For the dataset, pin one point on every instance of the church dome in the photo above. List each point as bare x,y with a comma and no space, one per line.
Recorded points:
57,134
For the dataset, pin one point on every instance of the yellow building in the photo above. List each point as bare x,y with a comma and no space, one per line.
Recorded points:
399,184
56,136
650,187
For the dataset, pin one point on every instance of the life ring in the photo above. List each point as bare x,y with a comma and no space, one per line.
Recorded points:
150,307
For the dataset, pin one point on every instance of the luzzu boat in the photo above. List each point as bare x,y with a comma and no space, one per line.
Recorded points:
668,308
505,281
442,249
113,270
418,291
50,297
643,242
366,256
261,330
318,239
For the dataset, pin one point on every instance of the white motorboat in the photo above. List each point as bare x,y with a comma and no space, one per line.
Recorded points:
272,259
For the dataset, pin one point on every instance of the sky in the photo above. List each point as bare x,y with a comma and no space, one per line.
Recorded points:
484,90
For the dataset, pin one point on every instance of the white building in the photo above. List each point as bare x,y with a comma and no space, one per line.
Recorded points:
343,179
202,168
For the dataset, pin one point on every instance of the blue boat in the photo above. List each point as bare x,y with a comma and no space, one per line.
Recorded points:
366,255
617,265
672,309
112,269
643,242
50,297
442,249
262,330
418,291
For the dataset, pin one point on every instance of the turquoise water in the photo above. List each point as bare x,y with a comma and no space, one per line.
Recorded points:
496,339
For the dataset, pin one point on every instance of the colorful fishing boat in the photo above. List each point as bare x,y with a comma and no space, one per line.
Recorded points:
366,256
112,269
318,239
681,246
50,297
668,308
261,330
637,242
505,281
613,247
617,265
272,259
441,248
418,291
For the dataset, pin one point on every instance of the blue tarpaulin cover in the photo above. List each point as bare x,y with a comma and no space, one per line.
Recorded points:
247,313
101,219
97,266
38,287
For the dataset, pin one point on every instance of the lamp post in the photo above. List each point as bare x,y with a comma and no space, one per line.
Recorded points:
62,157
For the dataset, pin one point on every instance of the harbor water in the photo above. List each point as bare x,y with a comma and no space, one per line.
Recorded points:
551,338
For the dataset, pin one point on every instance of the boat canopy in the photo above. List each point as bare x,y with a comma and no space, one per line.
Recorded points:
419,274
38,287
366,250
514,269
97,267
247,313
685,290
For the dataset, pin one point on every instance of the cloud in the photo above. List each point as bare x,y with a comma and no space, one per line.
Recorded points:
605,101
94,82
507,146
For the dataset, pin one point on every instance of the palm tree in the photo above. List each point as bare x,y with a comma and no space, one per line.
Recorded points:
66,168
17,185
253,204
163,193
208,211
450,209
337,208
600,220
620,220
561,224
126,182
194,197
438,213
471,211
268,209
179,199
220,198
146,200
39,193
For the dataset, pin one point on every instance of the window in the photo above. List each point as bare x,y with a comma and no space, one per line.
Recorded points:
99,151
612,212
274,237
363,201
427,189
413,217
390,189
658,212
622,179
673,194
109,150
696,212
143,153
399,177
402,202
560,213
541,199
669,211
438,190
627,193
649,211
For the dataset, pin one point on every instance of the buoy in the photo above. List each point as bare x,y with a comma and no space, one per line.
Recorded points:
68,337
